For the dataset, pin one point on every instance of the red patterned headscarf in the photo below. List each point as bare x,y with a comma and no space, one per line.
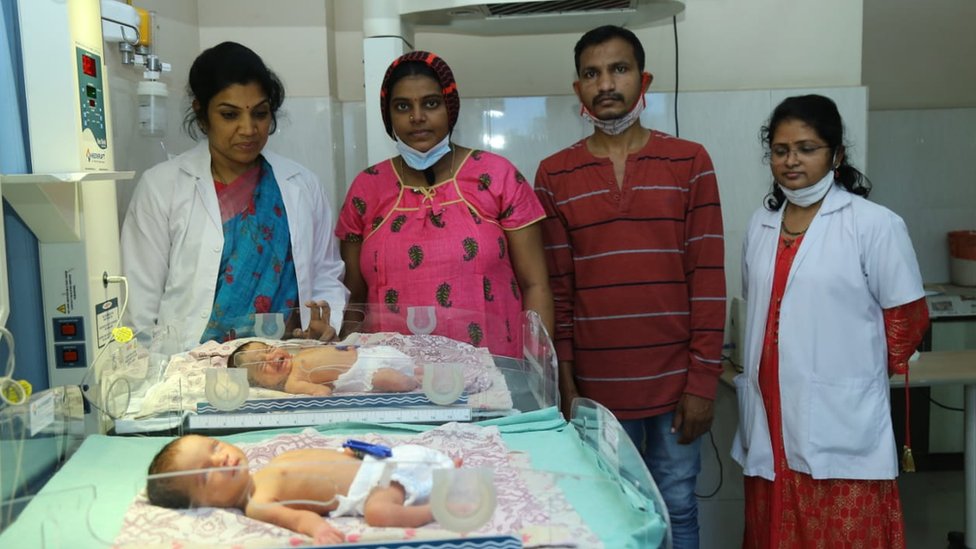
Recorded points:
444,76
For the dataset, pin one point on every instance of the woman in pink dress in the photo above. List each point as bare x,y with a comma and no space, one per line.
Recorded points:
442,238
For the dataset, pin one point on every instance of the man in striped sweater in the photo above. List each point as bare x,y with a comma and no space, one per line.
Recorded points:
636,261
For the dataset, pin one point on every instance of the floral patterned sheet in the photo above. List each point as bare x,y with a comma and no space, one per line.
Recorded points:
183,381
529,504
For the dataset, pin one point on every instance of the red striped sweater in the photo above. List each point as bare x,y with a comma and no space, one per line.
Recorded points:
637,273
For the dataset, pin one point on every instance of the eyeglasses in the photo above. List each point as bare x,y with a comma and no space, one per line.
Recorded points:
781,152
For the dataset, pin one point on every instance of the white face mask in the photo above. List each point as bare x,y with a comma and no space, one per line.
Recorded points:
808,196
618,125
420,161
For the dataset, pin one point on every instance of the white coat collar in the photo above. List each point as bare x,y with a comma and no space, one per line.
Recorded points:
837,198
196,162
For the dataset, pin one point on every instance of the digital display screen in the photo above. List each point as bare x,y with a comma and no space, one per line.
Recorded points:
91,91
88,65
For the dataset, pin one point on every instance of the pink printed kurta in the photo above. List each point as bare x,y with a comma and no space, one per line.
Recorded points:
440,254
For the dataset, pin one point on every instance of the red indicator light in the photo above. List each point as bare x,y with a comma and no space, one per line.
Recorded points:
88,65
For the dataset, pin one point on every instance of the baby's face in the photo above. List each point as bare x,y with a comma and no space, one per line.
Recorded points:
223,480
269,366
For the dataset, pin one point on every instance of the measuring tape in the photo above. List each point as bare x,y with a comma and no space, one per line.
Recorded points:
411,414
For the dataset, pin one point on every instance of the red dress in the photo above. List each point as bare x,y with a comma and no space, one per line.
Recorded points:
795,510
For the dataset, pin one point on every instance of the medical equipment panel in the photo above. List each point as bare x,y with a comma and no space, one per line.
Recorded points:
69,200
66,92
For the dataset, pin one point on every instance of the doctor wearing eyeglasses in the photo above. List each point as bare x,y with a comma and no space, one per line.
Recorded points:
835,306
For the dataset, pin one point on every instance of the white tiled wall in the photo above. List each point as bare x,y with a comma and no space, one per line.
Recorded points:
922,168
310,133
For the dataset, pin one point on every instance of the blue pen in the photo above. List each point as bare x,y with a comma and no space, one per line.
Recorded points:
361,449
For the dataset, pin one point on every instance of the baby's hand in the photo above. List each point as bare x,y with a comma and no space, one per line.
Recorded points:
328,534
322,391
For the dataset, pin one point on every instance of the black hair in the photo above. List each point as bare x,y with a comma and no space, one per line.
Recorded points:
602,34
232,362
821,114
224,65
408,68
167,491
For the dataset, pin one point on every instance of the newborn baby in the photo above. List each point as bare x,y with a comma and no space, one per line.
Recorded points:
298,487
319,370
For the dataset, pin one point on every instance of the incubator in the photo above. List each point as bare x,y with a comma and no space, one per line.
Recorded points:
382,367
493,462
522,481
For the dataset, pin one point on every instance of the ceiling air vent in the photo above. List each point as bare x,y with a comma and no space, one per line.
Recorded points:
539,17
557,7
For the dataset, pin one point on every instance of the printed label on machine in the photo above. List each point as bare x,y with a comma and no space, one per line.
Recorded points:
68,306
106,315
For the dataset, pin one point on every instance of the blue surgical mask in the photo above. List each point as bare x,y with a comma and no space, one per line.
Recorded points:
808,196
420,161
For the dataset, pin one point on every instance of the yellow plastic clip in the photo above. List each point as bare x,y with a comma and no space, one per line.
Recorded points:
13,395
122,334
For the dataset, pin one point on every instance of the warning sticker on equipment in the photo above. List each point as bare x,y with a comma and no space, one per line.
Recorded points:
69,294
106,315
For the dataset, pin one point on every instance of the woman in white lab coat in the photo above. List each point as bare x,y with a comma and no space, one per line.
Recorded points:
228,229
835,306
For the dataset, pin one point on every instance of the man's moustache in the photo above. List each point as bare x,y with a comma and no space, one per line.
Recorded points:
614,96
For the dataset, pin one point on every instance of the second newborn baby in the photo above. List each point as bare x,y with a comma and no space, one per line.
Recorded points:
321,370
